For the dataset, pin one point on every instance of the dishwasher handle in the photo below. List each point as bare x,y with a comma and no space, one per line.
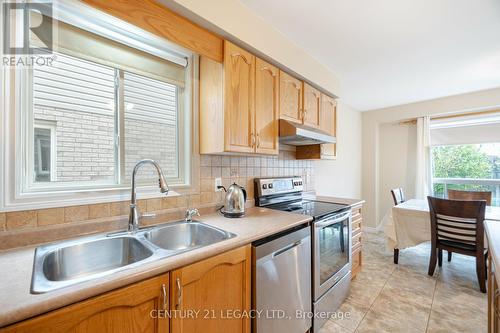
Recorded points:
286,248
277,246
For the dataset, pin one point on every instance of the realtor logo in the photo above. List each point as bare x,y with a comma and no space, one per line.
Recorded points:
23,19
28,34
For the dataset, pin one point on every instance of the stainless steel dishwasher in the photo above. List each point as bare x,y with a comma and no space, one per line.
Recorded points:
282,283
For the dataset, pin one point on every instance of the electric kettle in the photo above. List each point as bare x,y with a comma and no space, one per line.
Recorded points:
234,203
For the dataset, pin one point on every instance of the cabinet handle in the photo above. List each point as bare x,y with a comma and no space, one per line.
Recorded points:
253,139
179,294
258,140
242,56
164,295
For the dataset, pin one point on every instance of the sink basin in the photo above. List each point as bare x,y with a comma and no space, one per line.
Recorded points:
79,260
62,264
182,236
93,257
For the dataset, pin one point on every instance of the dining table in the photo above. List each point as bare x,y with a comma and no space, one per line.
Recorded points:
409,223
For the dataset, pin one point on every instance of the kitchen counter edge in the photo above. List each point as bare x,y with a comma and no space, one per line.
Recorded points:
18,304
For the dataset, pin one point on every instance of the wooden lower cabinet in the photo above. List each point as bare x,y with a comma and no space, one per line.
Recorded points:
129,309
217,287
214,290
493,299
356,237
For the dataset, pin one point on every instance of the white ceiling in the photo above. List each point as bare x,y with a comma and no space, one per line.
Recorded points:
393,52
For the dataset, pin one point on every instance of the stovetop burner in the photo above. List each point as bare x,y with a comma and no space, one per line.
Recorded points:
316,209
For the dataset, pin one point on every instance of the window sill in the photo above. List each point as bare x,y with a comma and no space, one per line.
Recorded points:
42,200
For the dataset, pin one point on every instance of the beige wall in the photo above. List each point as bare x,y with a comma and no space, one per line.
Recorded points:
236,22
384,139
397,162
342,177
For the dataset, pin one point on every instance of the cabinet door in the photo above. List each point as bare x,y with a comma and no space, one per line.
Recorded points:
328,114
239,76
128,309
312,106
328,124
266,107
212,290
290,98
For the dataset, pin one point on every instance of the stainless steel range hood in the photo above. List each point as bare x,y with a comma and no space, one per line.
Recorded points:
300,135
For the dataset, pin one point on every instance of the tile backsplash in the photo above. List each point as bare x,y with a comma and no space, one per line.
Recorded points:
239,169
242,170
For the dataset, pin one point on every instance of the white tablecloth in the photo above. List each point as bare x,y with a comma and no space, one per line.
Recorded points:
408,224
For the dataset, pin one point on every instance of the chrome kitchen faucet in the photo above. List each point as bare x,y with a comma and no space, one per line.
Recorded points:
133,219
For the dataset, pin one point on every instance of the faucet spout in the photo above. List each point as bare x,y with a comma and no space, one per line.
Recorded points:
133,219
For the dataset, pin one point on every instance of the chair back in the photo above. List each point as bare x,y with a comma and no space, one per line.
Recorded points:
470,195
398,196
457,223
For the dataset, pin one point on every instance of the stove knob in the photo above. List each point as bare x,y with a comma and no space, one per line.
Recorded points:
264,186
300,183
270,185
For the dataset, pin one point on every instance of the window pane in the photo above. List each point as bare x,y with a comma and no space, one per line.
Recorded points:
480,161
474,167
42,153
150,125
78,97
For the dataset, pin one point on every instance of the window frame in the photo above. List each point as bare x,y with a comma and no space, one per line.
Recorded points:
51,126
13,150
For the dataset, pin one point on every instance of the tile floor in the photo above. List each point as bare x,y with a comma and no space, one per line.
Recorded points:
403,298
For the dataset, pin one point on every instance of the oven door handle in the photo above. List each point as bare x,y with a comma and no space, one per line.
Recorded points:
341,218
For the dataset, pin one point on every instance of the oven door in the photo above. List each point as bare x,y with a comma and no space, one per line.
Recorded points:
332,251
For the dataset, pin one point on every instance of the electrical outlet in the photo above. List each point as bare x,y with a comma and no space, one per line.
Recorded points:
218,182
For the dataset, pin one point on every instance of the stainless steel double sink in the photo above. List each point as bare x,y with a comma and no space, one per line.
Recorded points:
74,261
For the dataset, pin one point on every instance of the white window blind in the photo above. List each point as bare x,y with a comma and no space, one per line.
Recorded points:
86,45
466,130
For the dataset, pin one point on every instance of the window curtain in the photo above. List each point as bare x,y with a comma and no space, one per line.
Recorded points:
423,180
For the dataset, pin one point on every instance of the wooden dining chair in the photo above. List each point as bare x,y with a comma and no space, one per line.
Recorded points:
470,195
458,226
398,197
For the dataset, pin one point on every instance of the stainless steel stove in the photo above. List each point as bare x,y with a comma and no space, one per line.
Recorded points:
331,240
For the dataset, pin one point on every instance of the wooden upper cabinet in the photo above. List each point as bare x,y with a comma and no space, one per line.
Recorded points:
238,104
312,106
266,108
213,287
290,98
239,99
126,310
328,119
328,124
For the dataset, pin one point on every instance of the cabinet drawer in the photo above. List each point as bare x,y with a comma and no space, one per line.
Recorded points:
356,236
356,216
356,227
356,261
356,245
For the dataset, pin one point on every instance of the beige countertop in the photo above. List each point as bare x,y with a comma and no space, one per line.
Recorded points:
492,229
346,201
17,303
